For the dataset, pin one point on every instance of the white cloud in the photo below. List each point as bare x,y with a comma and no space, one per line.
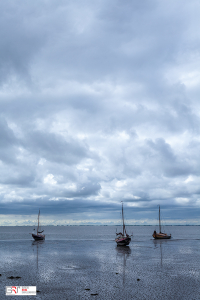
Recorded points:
49,179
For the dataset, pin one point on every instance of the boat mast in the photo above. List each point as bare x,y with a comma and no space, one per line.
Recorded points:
123,219
159,220
38,221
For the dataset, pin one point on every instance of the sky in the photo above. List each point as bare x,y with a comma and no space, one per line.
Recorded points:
99,103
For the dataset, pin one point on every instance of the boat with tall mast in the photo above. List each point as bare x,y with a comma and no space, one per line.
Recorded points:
123,239
39,236
160,235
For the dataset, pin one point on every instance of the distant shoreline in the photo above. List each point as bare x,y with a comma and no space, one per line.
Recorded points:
93,225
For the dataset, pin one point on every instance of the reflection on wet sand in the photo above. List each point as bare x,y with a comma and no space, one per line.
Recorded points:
123,252
37,244
158,243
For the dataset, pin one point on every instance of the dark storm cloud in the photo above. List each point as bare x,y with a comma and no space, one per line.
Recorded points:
171,164
8,143
73,209
99,103
55,148
20,39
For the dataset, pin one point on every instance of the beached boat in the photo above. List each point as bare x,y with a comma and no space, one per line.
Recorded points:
39,236
160,235
123,239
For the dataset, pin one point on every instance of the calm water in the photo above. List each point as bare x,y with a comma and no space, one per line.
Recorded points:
75,262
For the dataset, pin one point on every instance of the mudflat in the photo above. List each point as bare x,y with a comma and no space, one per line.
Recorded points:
85,263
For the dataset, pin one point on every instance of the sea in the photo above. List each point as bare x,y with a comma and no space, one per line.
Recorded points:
83,262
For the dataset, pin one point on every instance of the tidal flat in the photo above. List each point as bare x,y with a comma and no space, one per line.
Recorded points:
83,262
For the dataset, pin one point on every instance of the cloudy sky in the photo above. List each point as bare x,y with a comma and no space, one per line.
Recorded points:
99,103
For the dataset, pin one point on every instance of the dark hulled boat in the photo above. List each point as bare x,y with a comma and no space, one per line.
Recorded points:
39,236
160,235
123,239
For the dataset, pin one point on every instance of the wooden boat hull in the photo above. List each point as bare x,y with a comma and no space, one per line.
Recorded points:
123,241
161,236
38,237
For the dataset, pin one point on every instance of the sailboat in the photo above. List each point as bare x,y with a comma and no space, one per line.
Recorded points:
160,235
39,236
123,239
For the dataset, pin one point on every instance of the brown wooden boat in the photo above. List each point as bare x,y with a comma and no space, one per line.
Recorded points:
160,235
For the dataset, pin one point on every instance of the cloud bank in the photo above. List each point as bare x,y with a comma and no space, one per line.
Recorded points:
99,103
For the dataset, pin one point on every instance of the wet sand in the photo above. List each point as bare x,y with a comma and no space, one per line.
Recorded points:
98,269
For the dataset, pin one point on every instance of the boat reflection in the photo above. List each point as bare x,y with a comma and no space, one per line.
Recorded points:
36,245
121,250
158,244
123,254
